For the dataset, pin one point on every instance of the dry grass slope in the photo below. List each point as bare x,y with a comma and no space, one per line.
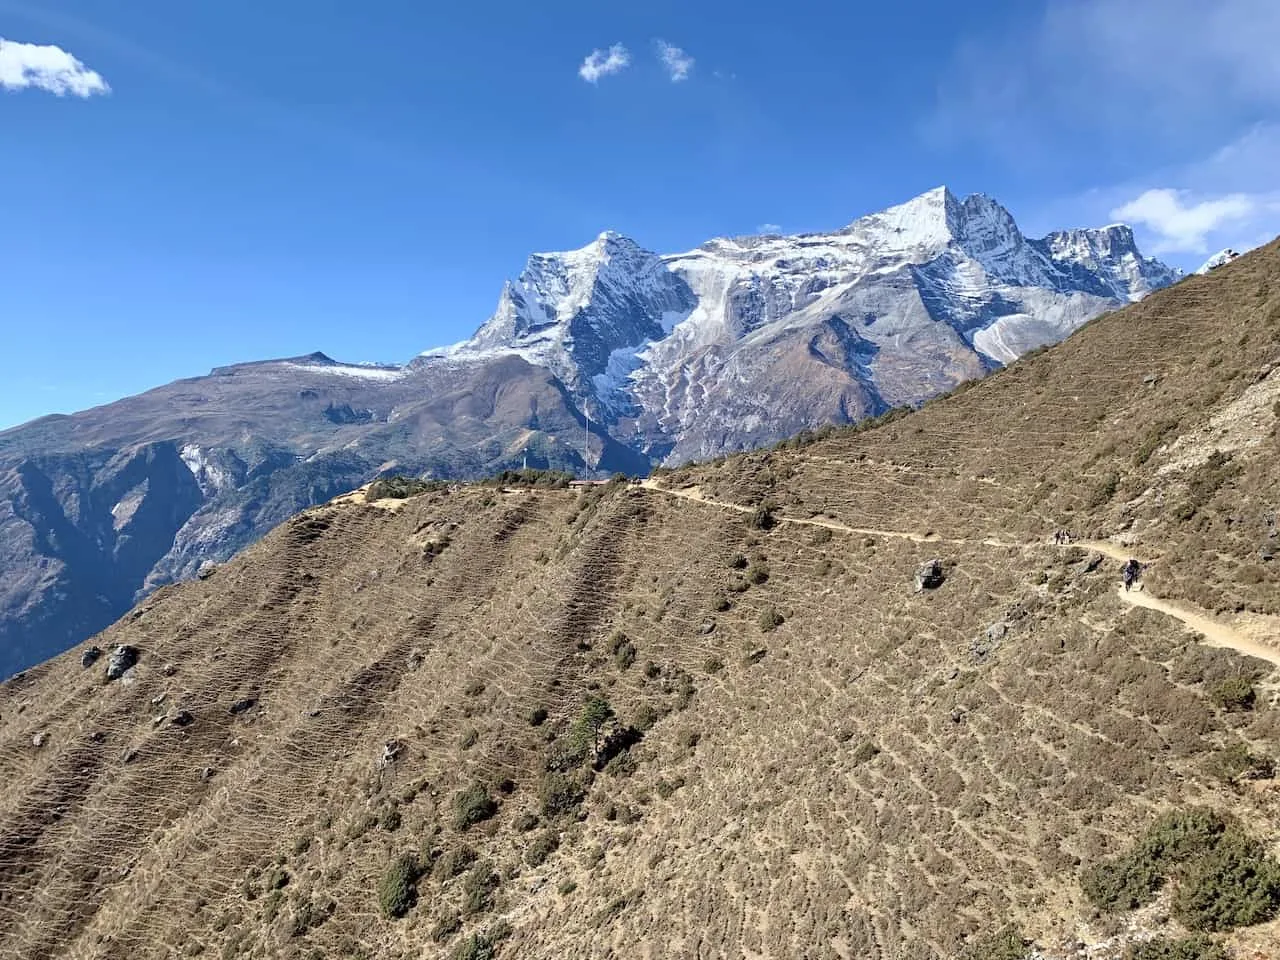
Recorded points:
809,758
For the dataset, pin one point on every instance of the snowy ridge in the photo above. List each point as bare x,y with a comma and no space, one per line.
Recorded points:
755,330
1219,259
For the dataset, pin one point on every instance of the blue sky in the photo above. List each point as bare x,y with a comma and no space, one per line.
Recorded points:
189,185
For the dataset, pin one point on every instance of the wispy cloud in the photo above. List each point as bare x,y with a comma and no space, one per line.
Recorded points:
45,67
1121,67
678,63
768,228
601,64
1182,223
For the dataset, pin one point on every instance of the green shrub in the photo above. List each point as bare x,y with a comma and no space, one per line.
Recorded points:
770,620
1004,944
763,518
546,479
397,890
1234,693
646,717
478,888
560,794
1234,885
1122,883
541,848
537,717
1224,877
1191,948
390,820
400,488
446,926
452,862
1235,761
758,574
625,655
473,805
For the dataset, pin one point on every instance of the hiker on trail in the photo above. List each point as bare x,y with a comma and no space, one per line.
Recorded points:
1132,569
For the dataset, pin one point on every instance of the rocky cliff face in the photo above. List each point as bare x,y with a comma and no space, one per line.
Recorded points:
733,345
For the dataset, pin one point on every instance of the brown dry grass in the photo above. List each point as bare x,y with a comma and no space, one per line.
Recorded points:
752,820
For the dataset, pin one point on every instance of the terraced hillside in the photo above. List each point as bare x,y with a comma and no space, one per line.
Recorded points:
711,715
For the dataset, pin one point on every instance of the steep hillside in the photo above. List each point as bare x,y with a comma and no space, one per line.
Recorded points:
375,733
736,344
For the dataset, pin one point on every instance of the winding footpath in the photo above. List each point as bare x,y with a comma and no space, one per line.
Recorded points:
1216,633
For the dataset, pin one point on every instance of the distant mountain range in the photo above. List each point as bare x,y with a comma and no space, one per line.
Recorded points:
608,358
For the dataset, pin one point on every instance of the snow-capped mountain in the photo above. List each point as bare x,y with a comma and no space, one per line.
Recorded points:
745,340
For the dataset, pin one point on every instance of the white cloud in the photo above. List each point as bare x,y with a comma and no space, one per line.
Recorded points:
1181,223
48,68
678,63
600,64
768,228
1227,198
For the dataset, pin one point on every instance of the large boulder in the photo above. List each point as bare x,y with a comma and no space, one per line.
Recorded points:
929,576
122,660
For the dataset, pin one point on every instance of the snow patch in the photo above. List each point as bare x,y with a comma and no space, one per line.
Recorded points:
355,370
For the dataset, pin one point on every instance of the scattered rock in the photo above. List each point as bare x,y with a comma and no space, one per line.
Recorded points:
391,750
240,706
206,570
182,718
38,740
415,659
1089,564
98,737
707,627
756,655
169,669
206,773
90,657
129,756
997,631
929,576
1151,379
122,659
1266,552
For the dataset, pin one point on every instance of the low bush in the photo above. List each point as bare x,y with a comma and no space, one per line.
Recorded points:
545,479
478,888
397,890
560,794
1234,693
400,488
1224,877
1004,944
537,852
1190,948
452,862
770,620
473,805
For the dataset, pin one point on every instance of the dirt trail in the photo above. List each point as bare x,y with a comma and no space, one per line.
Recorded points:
1217,634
